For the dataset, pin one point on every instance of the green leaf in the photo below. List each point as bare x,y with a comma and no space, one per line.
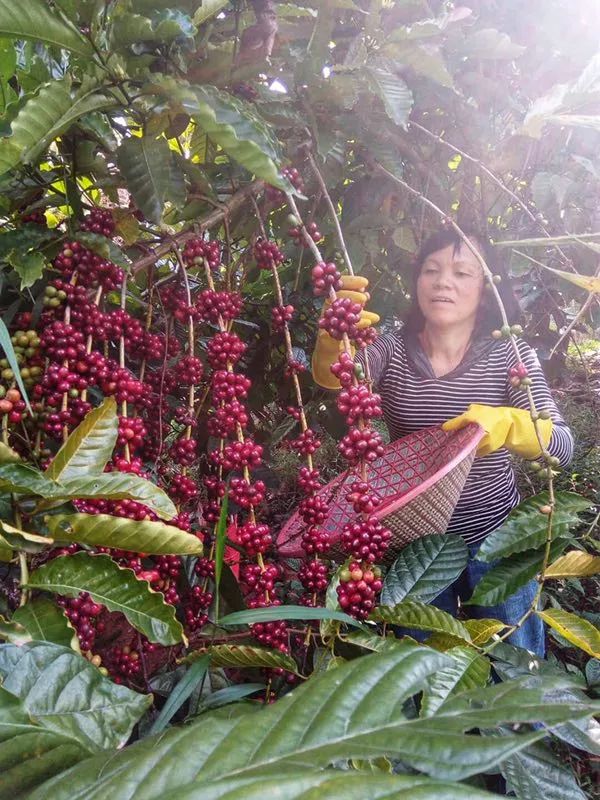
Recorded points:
22,479
208,9
8,455
103,247
46,622
90,446
9,352
509,575
114,587
45,116
104,530
29,753
28,266
181,693
468,671
489,43
162,27
230,694
287,612
235,126
574,564
121,486
352,785
411,614
537,774
34,20
68,695
245,655
576,630
13,534
526,527
482,630
388,85
424,568
300,731
145,163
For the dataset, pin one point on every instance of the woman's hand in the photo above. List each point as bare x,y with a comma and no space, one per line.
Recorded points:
327,349
505,426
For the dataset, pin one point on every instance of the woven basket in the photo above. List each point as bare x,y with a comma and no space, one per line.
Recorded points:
418,480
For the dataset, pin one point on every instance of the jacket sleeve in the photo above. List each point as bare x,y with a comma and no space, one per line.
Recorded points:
561,440
378,356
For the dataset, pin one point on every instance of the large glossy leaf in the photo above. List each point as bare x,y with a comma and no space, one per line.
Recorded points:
574,564
29,752
104,530
286,612
245,655
163,27
583,733
468,671
411,614
89,448
116,588
120,486
424,568
575,629
8,455
235,126
67,694
353,711
22,479
304,785
44,117
34,20
526,527
537,774
397,98
145,163
482,630
208,9
509,575
28,266
46,622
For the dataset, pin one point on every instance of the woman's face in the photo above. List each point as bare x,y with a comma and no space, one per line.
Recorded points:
450,287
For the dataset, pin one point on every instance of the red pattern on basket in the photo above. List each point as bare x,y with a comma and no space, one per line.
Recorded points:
418,481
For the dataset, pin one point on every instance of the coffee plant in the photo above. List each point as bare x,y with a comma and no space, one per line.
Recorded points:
191,193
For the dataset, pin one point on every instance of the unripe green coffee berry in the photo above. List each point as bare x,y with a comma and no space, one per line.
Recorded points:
497,279
54,302
345,575
7,374
535,466
293,220
545,414
554,461
50,291
62,295
30,352
505,330
516,330
526,382
2,392
534,416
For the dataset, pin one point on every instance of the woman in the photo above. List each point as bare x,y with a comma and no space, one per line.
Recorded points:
444,366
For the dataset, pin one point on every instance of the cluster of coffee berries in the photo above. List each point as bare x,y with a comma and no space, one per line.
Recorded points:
361,444
198,252
325,276
82,613
357,402
280,316
311,228
100,221
518,376
11,404
267,254
341,318
358,589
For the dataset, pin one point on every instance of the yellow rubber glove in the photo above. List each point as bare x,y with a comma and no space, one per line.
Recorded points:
327,348
505,426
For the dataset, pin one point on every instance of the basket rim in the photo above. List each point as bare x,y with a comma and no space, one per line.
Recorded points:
393,505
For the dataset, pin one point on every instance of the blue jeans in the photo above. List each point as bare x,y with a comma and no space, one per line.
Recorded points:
530,635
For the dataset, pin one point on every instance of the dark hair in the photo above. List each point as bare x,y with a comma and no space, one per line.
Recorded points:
488,316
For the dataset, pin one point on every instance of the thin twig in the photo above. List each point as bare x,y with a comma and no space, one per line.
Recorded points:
333,212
